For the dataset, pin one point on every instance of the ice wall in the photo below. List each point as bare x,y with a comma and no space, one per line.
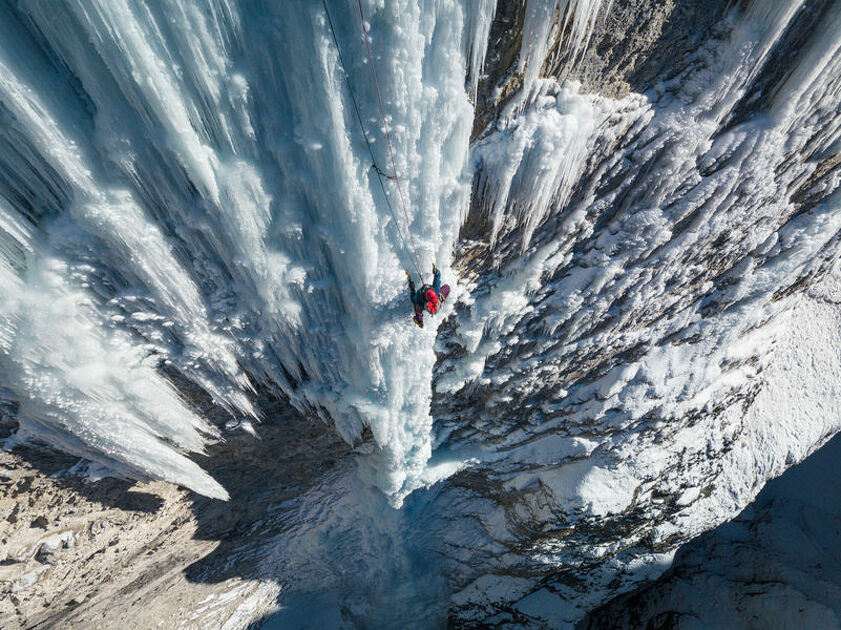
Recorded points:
189,182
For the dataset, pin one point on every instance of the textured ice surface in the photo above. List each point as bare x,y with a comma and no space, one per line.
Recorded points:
569,21
185,186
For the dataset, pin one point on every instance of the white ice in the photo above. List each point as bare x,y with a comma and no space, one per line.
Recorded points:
206,205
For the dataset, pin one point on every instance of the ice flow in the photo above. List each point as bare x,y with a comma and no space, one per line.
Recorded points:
186,197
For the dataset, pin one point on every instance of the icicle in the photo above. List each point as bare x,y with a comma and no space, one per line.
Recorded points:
541,27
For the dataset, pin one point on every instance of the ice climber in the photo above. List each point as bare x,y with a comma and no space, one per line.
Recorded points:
429,296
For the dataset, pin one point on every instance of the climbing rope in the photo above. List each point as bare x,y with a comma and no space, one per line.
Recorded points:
380,173
387,136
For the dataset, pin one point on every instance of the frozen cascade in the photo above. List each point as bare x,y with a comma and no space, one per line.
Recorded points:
196,202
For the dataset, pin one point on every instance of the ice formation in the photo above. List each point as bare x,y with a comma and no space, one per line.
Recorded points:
190,226
187,188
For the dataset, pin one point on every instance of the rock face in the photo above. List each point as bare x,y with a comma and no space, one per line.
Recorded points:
633,46
621,327
654,218
80,553
106,554
69,554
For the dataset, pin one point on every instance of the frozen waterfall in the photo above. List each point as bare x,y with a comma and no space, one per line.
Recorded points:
185,190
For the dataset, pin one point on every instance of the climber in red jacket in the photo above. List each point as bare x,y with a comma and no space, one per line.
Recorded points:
429,296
